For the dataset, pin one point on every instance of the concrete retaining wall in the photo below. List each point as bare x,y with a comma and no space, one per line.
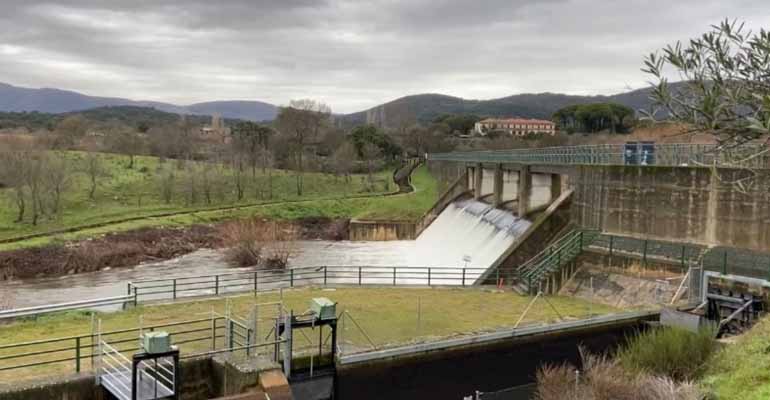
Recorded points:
681,204
381,230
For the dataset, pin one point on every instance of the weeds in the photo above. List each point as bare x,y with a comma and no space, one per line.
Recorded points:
254,242
672,352
606,379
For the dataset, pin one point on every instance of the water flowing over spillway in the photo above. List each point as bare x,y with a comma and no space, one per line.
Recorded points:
468,233
465,230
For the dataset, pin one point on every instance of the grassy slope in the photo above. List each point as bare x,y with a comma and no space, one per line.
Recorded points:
119,196
742,370
388,315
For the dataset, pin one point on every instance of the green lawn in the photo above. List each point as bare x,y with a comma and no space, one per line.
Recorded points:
389,316
131,193
742,370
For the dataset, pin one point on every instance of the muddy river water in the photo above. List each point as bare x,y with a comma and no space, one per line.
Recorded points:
113,282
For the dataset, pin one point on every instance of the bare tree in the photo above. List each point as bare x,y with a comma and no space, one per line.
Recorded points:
13,166
93,167
166,181
70,130
343,160
303,120
370,152
126,141
58,177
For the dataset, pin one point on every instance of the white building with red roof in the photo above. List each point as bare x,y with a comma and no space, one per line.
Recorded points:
515,126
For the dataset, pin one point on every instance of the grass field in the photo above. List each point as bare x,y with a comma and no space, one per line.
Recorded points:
389,316
130,193
742,370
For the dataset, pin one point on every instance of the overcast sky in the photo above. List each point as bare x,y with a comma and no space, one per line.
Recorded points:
351,54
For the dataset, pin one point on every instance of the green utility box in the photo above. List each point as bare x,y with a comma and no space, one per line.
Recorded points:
323,308
156,342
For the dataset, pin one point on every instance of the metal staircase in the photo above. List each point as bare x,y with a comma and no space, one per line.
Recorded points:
532,274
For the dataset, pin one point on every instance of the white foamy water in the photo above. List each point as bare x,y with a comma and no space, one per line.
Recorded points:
469,234
466,228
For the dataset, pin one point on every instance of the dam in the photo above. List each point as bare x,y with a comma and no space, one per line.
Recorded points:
503,213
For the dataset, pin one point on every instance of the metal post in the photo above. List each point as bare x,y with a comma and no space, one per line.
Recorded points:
77,354
213,330
288,352
724,262
291,278
174,289
612,240
359,276
325,276
644,254
216,285
256,283
136,296
463,276
428,276
394,276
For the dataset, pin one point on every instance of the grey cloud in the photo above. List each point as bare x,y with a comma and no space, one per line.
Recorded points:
350,53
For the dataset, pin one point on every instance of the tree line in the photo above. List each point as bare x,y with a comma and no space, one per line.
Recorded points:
596,117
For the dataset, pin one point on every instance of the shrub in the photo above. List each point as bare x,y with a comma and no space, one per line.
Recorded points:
254,243
244,241
672,352
605,379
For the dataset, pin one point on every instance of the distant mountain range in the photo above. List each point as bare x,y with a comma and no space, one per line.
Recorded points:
426,107
406,110
17,99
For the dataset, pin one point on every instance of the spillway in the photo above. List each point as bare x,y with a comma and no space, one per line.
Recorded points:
468,233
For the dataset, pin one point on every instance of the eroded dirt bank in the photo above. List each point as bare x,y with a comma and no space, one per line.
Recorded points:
130,248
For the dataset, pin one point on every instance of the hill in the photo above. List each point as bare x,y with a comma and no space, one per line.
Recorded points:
128,115
426,107
55,101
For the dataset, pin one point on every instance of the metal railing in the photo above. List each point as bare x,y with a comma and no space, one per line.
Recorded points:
615,154
553,258
75,305
257,281
725,260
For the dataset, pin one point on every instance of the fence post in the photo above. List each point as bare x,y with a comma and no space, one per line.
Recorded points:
256,282
683,257
428,276
394,276
724,262
463,276
216,285
612,240
644,254
291,278
359,276
136,296
174,289
325,276
77,354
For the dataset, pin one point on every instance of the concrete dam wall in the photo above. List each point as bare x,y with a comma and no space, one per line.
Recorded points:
684,204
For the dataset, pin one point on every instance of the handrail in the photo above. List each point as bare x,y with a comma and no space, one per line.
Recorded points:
553,257
678,154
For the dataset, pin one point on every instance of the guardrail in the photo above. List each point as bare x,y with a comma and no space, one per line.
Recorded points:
266,280
201,337
553,258
75,305
611,154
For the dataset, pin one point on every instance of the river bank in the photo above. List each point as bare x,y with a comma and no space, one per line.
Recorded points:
126,249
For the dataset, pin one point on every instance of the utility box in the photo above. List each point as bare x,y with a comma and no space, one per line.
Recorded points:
323,308
156,342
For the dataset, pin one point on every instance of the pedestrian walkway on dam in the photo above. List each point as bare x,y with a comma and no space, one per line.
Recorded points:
631,153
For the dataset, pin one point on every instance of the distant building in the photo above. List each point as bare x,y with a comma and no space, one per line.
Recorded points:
515,126
217,131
